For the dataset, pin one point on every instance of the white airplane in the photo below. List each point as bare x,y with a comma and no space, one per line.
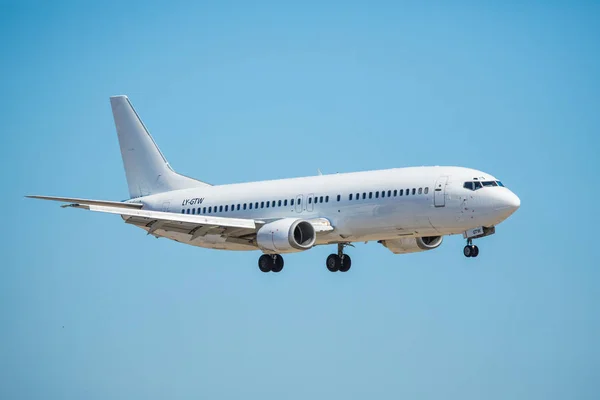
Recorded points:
405,209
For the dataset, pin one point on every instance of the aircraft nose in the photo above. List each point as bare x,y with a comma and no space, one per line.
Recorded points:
508,202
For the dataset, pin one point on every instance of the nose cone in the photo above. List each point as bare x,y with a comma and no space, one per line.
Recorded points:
507,202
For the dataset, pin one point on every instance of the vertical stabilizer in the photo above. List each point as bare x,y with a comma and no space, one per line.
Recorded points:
147,170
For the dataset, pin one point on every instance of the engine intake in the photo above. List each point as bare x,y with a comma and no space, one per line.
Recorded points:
286,235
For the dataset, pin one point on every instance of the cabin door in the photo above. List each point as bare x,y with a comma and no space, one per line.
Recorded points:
439,192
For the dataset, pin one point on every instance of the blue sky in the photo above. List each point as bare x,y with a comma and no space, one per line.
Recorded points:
92,308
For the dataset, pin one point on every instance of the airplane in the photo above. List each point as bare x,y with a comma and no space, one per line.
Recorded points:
406,210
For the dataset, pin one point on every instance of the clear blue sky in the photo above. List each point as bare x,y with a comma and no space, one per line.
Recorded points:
92,308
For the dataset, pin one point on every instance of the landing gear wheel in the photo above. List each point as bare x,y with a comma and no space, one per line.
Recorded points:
333,263
474,251
265,263
278,263
346,263
468,251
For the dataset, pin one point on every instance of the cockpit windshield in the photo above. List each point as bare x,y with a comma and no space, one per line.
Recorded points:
474,185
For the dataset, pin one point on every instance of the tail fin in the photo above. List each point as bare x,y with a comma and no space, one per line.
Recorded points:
147,170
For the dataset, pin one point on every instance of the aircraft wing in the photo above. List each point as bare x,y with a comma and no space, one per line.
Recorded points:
195,225
85,203
239,230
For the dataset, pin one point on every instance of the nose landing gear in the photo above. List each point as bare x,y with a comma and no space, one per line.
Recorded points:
470,249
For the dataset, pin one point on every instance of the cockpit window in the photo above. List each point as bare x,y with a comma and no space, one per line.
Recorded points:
474,185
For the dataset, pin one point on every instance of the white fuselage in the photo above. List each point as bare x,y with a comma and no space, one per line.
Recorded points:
416,201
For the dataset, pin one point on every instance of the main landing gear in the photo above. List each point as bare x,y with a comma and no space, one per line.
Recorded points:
470,249
340,261
270,263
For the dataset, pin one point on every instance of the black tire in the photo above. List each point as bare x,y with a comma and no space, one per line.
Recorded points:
467,251
346,263
475,251
265,263
278,265
333,263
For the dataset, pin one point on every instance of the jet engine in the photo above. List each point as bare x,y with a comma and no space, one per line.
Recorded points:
286,235
412,245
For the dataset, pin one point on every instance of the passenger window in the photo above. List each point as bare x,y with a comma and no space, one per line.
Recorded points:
291,202
376,195
321,199
310,200
183,211
420,190
267,204
357,196
327,199
285,203
250,206
350,196
414,191
256,205
193,211
426,190
395,192
370,195
299,201
244,206
364,195
389,193
238,207
262,204
220,208
226,208
339,197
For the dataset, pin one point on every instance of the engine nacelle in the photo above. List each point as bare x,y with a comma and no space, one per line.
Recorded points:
286,235
412,245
